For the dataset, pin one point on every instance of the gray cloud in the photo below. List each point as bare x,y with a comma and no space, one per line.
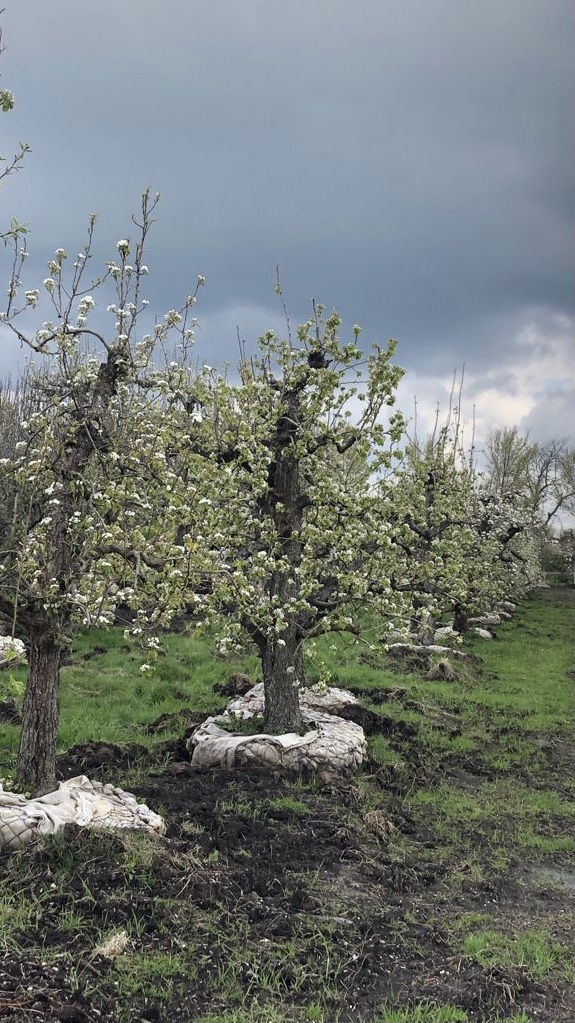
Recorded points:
402,160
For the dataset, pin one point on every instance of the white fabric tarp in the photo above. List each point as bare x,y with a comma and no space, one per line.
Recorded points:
331,745
77,801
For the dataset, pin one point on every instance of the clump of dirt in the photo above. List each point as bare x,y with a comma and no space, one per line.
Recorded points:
442,670
404,660
237,685
96,758
33,989
376,724
171,722
9,713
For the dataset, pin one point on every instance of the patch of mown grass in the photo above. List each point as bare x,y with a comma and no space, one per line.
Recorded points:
548,844
254,976
242,808
265,1014
504,814
526,670
486,802
154,974
534,951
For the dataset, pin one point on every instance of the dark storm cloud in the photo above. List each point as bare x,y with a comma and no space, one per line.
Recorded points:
404,161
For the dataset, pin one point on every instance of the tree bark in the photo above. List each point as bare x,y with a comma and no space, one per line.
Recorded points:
86,434
282,668
281,653
36,767
460,621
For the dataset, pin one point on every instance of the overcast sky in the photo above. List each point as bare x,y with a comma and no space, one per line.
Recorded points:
408,162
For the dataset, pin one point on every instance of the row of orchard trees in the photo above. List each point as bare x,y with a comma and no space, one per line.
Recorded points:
131,479
278,503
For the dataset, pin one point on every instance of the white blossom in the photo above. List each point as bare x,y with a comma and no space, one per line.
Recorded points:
6,100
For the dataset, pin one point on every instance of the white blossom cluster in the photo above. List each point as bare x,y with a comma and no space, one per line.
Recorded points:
11,649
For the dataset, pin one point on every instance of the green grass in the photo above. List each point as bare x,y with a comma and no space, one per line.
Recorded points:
534,951
504,817
522,669
423,1012
382,751
104,696
266,1014
475,790
289,803
241,808
154,974
15,916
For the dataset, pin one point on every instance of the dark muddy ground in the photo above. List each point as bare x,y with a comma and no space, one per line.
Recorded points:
246,878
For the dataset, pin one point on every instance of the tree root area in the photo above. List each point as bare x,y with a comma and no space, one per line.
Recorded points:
269,898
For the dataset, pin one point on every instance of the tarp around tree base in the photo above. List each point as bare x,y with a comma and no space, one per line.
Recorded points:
331,745
77,801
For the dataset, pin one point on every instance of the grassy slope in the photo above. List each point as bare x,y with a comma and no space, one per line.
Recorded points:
479,767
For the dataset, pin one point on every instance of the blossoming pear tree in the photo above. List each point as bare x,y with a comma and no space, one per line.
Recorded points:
295,550
88,469
462,549
432,500
508,547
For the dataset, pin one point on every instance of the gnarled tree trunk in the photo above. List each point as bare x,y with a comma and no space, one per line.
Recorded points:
282,667
281,654
86,435
460,620
36,769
